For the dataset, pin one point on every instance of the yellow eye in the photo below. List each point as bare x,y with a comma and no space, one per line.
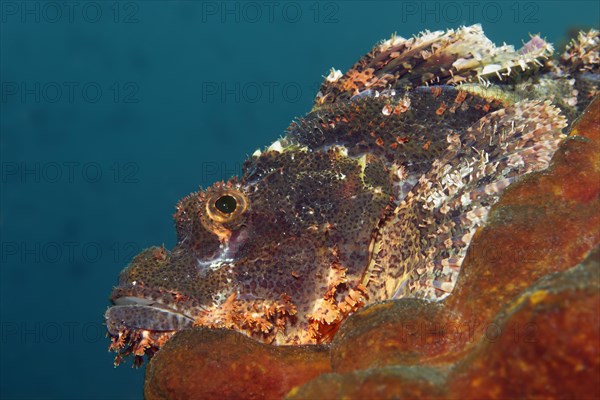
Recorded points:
226,205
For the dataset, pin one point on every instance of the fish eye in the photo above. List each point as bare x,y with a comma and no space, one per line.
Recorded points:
226,205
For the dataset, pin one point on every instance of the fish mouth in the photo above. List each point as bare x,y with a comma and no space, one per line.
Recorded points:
141,313
140,325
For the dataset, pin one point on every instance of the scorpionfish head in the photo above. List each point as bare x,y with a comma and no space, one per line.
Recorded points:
278,254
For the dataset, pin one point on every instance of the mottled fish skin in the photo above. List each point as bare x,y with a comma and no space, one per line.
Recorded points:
374,194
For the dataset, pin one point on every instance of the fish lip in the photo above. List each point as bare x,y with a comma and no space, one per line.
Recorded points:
144,318
140,295
124,301
129,299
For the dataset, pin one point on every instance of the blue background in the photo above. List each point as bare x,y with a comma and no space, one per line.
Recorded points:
111,112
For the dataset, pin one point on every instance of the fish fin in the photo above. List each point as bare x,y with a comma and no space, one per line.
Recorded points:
432,58
422,246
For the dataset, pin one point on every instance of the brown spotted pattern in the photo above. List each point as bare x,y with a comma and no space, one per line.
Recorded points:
374,194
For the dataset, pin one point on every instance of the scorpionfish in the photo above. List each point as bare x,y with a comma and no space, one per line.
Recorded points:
374,194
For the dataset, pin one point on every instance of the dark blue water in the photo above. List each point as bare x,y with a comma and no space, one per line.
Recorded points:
111,112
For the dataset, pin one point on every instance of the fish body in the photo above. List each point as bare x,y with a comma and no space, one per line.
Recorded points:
373,195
